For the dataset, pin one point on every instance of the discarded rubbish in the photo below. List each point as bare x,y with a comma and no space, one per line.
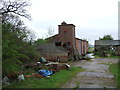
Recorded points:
33,74
6,80
51,63
45,72
58,59
53,70
38,76
28,76
67,65
64,66
48,77
42,59
21,77
38,63
12,76
89,56
55,66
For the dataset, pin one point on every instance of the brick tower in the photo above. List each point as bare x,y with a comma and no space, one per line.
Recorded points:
67,33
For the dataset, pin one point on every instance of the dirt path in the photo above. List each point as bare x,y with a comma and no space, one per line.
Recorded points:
95,75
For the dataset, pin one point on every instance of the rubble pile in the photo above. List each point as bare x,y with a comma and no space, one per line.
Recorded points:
42,69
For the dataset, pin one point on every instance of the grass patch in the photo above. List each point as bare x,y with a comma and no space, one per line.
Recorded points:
115,69
112,57
55,81
77,85
90,60
97,57
104,63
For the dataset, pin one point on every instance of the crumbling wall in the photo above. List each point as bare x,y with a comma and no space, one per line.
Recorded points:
52,52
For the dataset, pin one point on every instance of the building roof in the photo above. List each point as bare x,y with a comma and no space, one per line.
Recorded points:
65,24
107,42
78,38
52,36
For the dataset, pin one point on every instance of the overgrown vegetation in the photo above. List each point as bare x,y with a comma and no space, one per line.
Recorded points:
40,41
97,57
17,39
56,80
115,69
106,37
105,51
77,85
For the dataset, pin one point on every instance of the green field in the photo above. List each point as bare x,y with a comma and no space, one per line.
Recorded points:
56,80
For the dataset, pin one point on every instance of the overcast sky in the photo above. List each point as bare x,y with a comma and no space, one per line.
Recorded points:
92,18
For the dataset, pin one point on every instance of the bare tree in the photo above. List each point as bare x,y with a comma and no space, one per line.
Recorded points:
50,31
17,7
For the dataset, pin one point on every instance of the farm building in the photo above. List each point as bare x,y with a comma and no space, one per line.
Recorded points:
66,39
107,46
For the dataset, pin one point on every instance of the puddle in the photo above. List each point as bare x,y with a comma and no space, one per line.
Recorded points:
90,55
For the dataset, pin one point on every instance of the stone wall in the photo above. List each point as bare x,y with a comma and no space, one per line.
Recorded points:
50,51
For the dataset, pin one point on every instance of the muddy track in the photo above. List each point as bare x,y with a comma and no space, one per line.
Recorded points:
95,75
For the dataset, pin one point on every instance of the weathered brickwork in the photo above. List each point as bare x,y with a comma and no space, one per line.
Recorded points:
64,44
50,51
67,35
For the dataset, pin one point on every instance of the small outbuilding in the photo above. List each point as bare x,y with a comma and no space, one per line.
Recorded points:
107,46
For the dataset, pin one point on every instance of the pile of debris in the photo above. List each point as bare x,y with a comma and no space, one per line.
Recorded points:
42,68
